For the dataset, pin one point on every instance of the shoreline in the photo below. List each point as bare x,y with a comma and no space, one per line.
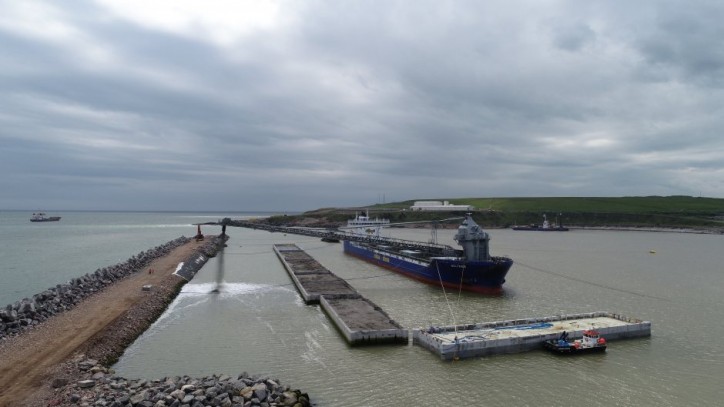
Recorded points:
707,231
313,222
63,357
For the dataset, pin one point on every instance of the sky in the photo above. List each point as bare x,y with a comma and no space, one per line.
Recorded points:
296,105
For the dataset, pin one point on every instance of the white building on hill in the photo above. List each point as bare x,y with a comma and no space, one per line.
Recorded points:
439,206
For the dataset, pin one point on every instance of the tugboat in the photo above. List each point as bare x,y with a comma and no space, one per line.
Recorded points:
41,217
591,342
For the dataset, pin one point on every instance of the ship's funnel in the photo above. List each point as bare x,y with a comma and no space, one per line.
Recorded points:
474,240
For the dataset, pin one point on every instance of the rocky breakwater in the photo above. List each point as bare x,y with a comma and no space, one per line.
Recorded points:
110,344
95,385
86,380
193,264
28,312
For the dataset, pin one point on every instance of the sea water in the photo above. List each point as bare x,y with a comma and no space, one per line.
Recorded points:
257,322
35,256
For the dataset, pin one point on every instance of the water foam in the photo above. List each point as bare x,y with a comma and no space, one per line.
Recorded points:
227,289
194,295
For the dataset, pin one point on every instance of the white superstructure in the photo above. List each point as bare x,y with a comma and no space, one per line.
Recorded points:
363,225
439,206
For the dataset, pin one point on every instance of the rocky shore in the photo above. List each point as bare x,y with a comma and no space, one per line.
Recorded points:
96,385
28,312
84,378
110,344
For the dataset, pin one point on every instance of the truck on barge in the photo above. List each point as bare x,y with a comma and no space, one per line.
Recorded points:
471,269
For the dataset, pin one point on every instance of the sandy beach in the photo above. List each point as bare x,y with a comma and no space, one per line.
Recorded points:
99,327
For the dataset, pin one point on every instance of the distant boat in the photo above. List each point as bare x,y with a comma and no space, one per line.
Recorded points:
546,227
42,217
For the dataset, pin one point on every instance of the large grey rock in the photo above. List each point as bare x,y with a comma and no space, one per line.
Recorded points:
259,386
87,364
11,316
59,382
289,398
178,394
139,397
27,307
260,394
211,392
188,388
85,384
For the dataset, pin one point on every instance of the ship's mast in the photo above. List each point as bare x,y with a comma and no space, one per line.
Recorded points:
474,240
433,233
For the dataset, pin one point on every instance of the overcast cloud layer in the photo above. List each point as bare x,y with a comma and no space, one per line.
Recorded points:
251,105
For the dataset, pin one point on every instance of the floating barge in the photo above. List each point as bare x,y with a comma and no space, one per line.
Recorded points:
359,320
521,335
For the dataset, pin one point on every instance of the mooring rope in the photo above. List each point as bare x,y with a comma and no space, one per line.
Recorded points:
460,289
580,280
455,325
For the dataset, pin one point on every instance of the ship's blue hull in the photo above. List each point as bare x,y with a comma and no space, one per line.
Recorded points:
486,277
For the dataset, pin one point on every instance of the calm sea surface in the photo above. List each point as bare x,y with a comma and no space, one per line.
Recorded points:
259,324
36,256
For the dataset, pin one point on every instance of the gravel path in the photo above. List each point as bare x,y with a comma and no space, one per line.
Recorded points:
100,327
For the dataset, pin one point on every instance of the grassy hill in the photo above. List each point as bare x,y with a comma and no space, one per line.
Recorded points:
644,211
634,204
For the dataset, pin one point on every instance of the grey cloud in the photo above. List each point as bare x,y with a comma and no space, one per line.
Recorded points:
345,101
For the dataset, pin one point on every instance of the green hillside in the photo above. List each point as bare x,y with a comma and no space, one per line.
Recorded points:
637,211
648,204
634,204
645,211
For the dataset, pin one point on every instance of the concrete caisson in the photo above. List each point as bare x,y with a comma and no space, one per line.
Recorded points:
358,319
512,336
